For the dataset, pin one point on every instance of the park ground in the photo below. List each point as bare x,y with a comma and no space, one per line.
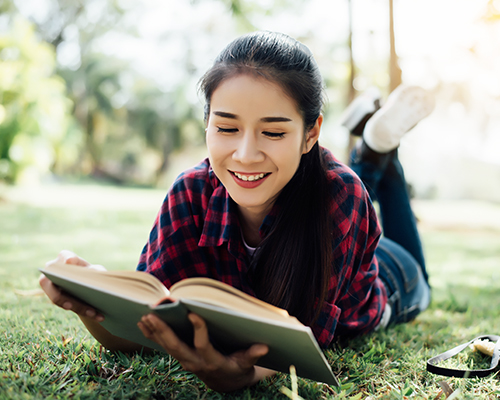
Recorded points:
45,352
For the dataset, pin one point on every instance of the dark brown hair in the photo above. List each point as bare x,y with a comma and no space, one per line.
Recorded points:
293,264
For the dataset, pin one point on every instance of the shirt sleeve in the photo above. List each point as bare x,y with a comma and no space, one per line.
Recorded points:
357,297
171,253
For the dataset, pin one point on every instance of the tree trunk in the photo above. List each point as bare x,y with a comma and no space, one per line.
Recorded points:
351,94
394,70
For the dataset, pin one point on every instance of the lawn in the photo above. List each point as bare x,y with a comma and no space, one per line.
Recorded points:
45,352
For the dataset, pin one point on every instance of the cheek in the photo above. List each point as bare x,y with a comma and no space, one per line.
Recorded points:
289,155
218,154
290,165
213,145
294,165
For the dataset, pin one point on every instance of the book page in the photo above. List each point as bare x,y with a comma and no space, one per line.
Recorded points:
140,286
222,295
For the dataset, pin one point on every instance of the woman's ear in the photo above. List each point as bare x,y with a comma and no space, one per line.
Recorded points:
313,135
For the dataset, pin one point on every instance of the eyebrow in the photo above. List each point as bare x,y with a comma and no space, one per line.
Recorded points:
224,114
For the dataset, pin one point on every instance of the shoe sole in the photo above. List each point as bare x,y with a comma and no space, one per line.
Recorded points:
405,108
360,110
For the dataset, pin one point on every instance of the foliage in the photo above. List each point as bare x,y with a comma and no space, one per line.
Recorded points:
119,125
492,13
46,353
34,110
130,131
130,125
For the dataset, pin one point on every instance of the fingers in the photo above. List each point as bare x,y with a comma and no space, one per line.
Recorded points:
216,370
213,359
244,359
155,329
252,355
197,360
67,302
219,372
62,299
201,339
68,257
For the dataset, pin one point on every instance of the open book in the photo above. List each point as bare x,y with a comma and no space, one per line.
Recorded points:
234,319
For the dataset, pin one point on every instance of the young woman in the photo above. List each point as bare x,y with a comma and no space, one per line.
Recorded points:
272,213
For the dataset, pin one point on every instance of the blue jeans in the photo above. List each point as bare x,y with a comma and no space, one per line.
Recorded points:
400,254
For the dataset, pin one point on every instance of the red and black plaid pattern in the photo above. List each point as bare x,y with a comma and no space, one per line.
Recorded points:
197,234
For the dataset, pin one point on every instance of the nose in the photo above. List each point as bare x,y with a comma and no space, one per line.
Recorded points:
248,150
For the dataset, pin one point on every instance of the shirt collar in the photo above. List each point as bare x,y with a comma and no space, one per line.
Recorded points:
221,220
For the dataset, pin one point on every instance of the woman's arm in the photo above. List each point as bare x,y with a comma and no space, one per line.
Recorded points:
219,372
110,341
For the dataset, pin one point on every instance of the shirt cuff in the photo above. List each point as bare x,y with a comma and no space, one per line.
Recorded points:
386,317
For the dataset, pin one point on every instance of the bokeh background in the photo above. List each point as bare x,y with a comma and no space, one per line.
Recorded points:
106,90
99,111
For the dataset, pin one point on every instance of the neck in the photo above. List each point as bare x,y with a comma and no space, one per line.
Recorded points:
250,223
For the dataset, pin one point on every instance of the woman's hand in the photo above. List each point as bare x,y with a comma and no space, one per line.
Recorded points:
89,316
64,300
219,372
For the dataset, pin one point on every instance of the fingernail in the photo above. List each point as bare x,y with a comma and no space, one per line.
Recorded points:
99,318
67,305
194,321
263,349
90,313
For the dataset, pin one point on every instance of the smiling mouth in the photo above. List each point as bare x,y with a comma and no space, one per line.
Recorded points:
250,177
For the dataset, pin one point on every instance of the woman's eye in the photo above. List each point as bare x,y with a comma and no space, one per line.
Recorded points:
277,135
226,130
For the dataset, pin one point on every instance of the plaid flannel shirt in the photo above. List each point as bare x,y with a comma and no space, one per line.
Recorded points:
197,234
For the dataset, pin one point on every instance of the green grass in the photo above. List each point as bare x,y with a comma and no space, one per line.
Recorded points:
46,353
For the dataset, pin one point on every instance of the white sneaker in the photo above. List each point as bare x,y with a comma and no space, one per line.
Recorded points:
406,106
362,108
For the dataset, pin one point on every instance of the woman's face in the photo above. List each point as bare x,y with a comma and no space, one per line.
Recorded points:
255,140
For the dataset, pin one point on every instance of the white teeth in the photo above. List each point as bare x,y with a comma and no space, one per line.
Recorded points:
250,178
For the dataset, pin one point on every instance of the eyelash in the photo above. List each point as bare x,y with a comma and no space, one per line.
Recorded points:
274,135
224,130
268,134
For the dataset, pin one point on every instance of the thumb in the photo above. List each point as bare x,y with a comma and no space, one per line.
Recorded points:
258,350
248,358
68,257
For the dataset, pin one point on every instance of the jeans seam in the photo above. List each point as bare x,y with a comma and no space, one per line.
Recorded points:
394,297
408,284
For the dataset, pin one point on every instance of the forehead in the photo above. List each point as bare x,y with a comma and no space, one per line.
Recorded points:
250,93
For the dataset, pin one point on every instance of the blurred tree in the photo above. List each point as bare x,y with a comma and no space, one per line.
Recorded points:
131,124
73,27
92,87
6,7
394,69
352,66
245,11
351,92
157,114
125,118
34,110
492,12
